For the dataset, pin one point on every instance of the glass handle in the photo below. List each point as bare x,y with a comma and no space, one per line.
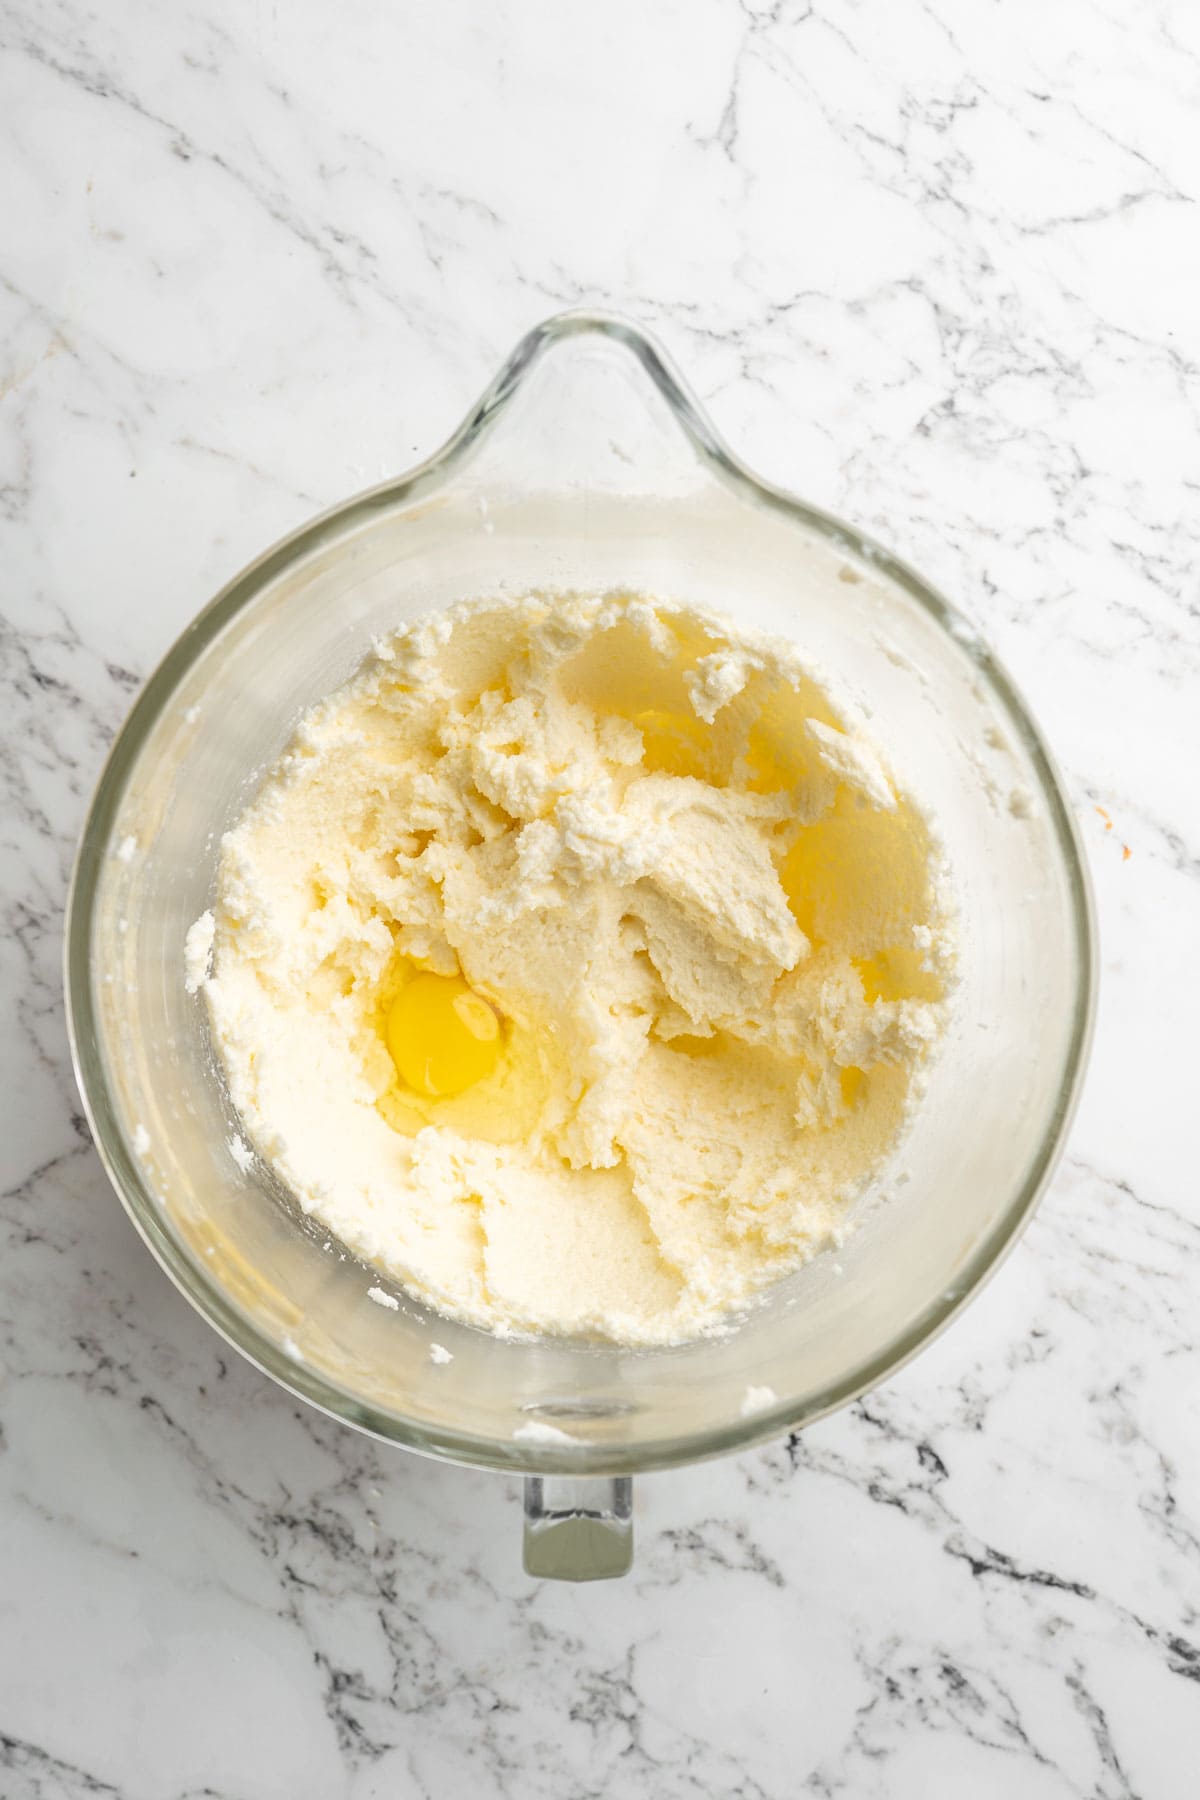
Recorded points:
576,1529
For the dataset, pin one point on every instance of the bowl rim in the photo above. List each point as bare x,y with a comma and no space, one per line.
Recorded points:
124,1169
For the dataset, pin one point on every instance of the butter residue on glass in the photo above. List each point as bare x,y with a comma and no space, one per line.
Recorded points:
576,964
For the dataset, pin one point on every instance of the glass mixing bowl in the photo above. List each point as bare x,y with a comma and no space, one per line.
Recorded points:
587,464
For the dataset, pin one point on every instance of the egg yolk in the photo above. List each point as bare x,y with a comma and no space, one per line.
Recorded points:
858,876
896,973
442,1035
852,1081
672,743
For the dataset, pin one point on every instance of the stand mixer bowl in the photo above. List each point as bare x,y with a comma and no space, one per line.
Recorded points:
586,465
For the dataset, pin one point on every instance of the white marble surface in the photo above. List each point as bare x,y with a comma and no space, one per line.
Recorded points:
933,263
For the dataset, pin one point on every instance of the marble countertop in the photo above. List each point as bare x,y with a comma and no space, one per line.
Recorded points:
932,265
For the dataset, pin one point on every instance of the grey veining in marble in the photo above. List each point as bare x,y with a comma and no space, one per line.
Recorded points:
932,265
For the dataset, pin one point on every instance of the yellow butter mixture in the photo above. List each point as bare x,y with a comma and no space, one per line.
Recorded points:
577,964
